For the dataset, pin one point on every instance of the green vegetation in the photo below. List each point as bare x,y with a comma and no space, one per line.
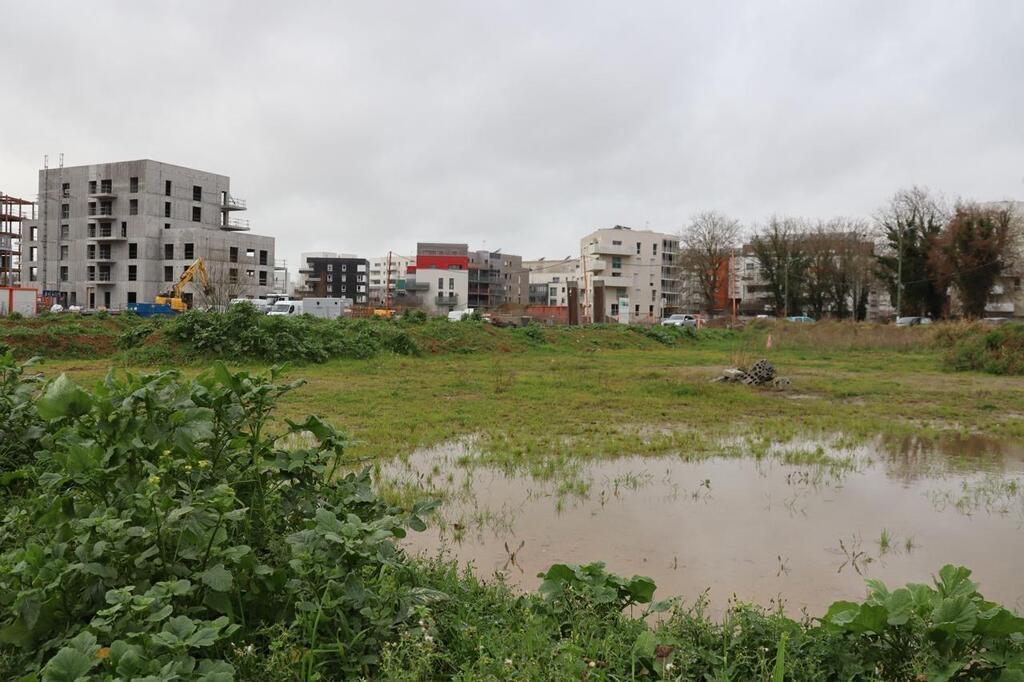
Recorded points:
163,529
997,351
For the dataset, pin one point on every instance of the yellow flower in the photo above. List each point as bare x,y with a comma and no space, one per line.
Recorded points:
154,480
204,464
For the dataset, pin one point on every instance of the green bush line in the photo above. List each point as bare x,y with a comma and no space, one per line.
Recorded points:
161,529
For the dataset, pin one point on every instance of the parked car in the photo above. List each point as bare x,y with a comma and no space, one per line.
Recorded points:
800,318
680,321
912,321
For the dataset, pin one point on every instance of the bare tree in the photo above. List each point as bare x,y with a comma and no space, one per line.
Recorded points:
707,244
226,282
910,223
781,255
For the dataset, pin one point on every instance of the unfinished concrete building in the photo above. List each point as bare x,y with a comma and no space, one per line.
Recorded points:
113,234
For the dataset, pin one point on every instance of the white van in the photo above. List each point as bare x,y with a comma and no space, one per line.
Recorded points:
286,308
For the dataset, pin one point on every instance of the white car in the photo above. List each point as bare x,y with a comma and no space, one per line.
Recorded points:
286,309
680,321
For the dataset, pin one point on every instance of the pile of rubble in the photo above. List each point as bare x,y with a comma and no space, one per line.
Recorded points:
761,373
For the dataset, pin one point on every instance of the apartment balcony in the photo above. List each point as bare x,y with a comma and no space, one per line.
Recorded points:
596,265
102,257
615,249
413,285
107,233
446,300
235,225
103,193
103,278
230,203
102,213
1001,307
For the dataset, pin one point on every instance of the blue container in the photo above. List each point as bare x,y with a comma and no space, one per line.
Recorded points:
150,309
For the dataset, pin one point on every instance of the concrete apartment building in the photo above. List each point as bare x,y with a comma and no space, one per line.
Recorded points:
497,279
334,275
387,276
629,275
549,280
112,234
438,282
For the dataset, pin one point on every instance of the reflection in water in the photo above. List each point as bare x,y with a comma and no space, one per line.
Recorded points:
805,522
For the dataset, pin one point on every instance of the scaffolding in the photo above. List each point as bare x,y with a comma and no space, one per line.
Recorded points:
13,212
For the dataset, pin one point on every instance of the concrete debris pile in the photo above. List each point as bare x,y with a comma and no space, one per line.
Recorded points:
761,373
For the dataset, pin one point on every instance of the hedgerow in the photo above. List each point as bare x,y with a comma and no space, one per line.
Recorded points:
999,350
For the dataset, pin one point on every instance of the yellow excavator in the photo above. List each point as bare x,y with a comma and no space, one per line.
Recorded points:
174,298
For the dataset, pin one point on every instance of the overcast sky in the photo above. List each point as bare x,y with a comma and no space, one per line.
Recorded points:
363,127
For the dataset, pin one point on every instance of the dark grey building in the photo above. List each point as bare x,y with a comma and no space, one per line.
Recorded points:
335,275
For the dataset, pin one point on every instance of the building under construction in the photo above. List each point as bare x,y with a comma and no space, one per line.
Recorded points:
14,211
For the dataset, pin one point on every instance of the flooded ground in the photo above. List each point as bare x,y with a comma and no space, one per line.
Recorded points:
806,522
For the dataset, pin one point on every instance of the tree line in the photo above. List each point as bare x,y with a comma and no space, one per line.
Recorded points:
916,246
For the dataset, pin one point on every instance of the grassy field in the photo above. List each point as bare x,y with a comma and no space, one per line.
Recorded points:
559,400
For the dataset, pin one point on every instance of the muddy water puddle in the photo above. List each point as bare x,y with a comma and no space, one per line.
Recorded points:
805,522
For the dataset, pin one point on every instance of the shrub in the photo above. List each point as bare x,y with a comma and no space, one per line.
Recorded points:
167,523
999,350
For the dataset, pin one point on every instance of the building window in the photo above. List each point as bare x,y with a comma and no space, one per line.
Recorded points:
330,278
63,251
168,251
655,246
92,187
167,188
65,211
190,251
250,274
250,253
33,274
65,231
344,267
167,209
106,186
233,254
263,278
616,242
65,190
168,273
92,230
167,226
63,273
133,271
616,274
124,229
33,254
90,251
616,262
133,185
92,208
451,282
638,248
615,309
263,257
197,214
133,250
132,299
440,283
197,193
133,207
233,276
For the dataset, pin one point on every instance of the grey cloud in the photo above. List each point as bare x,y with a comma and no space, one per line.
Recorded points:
522,125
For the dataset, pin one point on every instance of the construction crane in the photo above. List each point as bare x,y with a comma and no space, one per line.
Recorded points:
173,298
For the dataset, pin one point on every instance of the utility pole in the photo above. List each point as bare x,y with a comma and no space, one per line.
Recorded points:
899,267
785,286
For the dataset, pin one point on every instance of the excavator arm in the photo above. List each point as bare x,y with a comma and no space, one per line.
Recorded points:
196,272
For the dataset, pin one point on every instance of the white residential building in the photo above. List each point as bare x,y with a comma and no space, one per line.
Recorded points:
549,280
385,274
629,275
439,291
